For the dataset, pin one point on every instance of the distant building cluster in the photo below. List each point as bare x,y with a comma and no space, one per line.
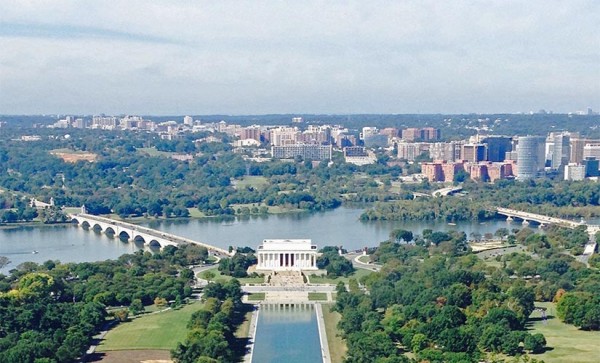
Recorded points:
486,158
490,158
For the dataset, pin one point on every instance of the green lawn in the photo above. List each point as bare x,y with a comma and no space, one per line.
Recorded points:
364,259
566,342
155,331
327,280
195,213
243,331
254,181
337,346
317,296
257,296
224,278
151,151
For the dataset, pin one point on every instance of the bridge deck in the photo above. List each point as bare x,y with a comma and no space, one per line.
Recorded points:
591,228
150,231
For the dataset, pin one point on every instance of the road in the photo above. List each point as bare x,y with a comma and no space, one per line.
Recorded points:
354,258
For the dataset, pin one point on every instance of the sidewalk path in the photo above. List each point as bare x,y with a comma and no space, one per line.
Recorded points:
322,334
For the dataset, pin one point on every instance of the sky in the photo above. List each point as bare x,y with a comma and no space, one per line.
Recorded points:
320,57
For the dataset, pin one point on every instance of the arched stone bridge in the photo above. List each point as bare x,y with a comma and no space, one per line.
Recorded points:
132,232
543,220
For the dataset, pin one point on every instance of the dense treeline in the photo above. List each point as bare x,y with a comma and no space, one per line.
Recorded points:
331,261
440,309
49,312
211,329
237,266
128,181
560,199
440,302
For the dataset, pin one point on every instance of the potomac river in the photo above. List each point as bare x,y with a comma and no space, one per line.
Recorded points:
341,226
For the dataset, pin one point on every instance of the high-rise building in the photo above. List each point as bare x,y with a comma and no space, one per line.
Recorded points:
251,132
430,133
473,153
574,172
530,156
591,167
188,120
591,150
412,134
561,151
577,145
445,151
306,151
497,147
432,171
284,136
368,131
410,150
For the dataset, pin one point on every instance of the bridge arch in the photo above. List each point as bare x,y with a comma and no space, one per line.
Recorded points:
124,235
139,239
154,244
97,227
86,224
110,231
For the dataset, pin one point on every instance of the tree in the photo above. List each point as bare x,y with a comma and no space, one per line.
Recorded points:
534,343
418,342
4,261
160,302
209,275
122,314
398,235
136,307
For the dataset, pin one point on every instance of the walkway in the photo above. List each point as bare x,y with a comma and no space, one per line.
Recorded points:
322,334
252,335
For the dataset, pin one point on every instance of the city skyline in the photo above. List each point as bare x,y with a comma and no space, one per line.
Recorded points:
176,58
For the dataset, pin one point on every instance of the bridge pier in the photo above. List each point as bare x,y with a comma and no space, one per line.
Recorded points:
525,222
509,219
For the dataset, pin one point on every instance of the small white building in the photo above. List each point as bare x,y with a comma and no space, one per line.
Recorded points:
286,255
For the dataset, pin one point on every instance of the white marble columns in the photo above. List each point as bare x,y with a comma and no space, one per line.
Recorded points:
278,260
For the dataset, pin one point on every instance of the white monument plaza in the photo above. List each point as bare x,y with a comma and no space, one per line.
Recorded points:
287,255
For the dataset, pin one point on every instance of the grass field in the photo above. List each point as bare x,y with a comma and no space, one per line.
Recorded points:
156,331
317,296
254,181
195,213
257,296
364,259
243,331
337,346
566,342
151,151
327,280
224,278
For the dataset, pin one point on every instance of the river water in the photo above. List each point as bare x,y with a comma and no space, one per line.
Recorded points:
336,227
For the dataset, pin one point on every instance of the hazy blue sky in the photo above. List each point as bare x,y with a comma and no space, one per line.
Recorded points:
254,57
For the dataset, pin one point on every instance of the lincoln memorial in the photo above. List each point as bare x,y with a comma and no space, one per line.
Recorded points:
287,255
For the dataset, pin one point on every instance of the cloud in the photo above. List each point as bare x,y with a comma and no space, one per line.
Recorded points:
285,56
66,32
